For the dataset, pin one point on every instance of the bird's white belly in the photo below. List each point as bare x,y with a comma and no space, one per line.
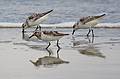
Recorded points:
50,38
92,23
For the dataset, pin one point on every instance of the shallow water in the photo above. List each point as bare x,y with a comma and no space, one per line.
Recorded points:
87,60
64,10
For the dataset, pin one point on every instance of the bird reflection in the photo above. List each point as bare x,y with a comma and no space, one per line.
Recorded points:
90,49
81,42
49,61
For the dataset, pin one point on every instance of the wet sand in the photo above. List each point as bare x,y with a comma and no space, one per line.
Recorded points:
86,60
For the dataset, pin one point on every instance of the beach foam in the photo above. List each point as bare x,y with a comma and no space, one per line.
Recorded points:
61,25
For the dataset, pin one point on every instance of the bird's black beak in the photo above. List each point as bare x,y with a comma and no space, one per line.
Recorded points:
23,31
73,32
32,35
74,28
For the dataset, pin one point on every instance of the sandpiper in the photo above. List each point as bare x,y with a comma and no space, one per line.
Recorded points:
34,20
90,21
48,36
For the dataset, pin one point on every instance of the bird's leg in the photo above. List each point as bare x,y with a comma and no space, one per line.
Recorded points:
58,44
36,28
89,39
33,32
39,28
49,52
23,28
58,53
92,39
92,33
88,32
23,33
48,45
73,32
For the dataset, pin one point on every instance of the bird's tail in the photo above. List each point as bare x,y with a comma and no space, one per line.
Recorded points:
99,16
48,12
33,62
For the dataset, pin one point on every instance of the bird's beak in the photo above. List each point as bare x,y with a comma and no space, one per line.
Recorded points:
74,29
23,31
73,32
32,35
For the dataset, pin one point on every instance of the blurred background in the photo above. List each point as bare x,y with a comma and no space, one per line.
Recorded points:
64,10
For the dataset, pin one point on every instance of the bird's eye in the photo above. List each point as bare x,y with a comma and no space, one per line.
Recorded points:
81,19
23,25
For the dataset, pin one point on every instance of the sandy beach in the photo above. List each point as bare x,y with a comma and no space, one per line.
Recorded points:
86,60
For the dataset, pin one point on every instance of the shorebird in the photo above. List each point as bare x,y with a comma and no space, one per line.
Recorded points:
90,21
48,36
34,20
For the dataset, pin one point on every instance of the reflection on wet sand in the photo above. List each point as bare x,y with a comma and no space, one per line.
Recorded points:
90,49
3,41
49,61
81,42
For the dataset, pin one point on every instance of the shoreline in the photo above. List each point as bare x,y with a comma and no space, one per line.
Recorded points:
60,25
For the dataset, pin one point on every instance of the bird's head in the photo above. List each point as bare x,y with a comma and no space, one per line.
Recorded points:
24,25
23,30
